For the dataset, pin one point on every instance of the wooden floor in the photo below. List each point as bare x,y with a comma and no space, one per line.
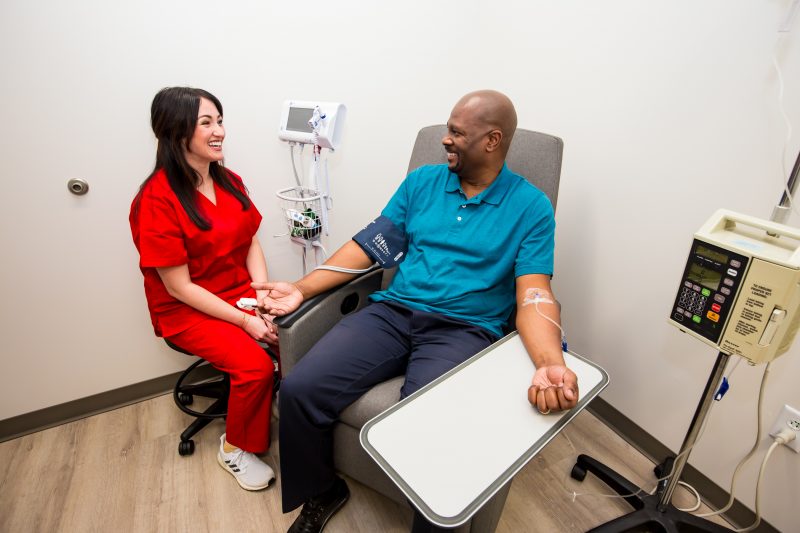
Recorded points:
120,471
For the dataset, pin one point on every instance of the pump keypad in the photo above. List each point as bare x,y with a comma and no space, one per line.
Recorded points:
692,300
708,289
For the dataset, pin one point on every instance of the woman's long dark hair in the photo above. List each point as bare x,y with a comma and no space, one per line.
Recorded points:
173,117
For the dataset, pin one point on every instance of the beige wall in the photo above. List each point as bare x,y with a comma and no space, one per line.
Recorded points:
669,110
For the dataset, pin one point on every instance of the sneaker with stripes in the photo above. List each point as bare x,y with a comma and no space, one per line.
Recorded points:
250,472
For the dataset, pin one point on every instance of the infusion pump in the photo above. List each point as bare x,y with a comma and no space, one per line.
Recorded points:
740,290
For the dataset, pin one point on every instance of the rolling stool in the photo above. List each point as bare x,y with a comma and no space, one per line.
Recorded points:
184,392
217,389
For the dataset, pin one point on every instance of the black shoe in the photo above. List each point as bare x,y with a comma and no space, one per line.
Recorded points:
317,511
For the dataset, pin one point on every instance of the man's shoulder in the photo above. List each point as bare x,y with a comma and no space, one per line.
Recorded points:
526,192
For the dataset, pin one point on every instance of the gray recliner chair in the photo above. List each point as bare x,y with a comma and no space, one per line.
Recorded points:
536,156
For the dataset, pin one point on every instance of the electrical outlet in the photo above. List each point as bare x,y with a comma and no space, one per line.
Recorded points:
789,417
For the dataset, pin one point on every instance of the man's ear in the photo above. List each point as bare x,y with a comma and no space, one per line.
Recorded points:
495,138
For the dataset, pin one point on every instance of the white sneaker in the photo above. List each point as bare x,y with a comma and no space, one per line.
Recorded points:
250,472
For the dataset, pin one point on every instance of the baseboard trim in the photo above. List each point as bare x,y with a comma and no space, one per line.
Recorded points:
27,423
713,495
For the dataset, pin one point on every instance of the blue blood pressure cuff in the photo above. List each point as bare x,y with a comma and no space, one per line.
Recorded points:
383,241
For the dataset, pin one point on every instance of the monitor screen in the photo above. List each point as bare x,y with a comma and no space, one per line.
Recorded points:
712,254
298,119
704,276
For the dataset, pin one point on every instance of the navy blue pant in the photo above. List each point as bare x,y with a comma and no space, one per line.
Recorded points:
379,342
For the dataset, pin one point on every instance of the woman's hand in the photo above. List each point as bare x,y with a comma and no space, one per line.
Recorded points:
260,329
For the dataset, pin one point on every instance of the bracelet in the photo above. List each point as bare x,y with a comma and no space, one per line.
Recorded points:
245,318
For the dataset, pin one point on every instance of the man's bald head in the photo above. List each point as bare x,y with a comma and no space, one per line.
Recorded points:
492,109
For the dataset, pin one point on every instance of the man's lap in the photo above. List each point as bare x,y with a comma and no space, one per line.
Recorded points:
379,342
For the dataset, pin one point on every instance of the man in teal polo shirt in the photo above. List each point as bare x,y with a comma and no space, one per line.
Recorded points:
480,242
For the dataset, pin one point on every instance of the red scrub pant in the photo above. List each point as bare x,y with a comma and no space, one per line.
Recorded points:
232,350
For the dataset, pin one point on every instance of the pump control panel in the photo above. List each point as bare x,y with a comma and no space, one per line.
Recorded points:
740,289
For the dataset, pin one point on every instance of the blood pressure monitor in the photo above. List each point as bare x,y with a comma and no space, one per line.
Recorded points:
300,124
740,289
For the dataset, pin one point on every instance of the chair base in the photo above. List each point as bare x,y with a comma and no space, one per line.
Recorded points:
646,515
217,389
186,445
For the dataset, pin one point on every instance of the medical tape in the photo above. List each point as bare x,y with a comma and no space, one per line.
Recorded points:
536,296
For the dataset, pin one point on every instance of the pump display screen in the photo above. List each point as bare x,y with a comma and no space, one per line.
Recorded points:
298,119
712,254
704,276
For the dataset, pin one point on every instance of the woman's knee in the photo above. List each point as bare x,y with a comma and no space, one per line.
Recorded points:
253,366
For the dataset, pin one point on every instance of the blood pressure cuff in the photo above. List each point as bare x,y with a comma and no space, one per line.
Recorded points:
383,241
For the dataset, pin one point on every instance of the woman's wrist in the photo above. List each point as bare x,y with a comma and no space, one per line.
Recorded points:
245,319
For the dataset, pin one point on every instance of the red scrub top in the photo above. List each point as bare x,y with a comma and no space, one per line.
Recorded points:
165,236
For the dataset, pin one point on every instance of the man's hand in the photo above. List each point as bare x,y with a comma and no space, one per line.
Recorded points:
281,299
554,388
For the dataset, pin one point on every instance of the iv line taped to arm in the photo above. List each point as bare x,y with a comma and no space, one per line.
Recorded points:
534,296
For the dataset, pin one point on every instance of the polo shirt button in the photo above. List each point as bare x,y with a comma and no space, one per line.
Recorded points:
459,219
463,206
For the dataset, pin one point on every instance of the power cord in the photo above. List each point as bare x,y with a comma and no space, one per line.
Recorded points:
759,409
785,436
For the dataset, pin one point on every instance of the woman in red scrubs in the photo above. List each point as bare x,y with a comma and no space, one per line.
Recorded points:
195,229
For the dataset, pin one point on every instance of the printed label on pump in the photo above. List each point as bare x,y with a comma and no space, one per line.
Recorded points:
765,288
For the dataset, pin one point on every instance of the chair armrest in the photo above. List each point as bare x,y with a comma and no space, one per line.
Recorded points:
300,330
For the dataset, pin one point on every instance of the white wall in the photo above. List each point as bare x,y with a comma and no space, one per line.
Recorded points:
668,111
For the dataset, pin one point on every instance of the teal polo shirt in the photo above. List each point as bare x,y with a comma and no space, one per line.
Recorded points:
465,254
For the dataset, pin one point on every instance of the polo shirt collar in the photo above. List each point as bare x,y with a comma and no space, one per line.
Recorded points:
493,195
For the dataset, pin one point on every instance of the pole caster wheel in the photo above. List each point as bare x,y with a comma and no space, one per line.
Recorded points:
185,399
578,473
186,447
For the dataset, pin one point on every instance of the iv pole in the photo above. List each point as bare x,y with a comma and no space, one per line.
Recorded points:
656,509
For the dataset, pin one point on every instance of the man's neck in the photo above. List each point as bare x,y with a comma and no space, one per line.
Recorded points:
476,183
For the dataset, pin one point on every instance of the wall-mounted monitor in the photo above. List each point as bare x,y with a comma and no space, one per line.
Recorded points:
296,123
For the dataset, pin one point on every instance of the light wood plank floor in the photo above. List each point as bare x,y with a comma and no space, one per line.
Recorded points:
120,471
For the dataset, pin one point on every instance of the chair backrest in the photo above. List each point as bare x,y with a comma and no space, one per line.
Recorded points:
534,155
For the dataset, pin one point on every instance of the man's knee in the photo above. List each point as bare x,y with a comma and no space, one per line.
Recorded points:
302,393
295,387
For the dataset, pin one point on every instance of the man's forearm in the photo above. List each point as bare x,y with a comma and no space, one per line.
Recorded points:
350,255
541,338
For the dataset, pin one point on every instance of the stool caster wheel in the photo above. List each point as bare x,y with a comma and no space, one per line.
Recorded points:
186,447
185,399
578,473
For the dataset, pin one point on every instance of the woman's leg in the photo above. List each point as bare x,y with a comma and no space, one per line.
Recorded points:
231,350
